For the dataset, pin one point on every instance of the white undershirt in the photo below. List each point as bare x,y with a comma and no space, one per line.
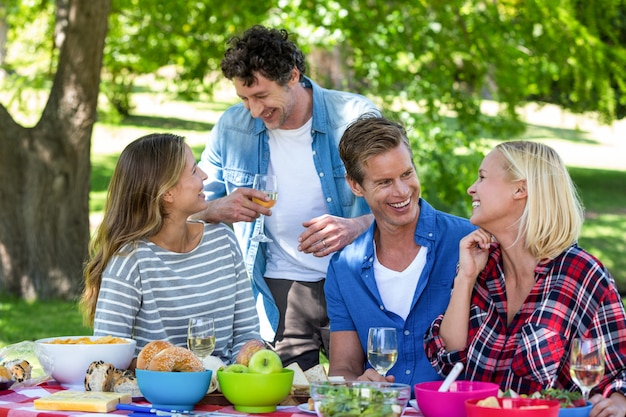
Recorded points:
300,198
397,288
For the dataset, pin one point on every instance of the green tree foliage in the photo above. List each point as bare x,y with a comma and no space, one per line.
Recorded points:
189,36
449,55
429,63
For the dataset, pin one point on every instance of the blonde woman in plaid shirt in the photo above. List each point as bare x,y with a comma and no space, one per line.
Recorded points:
524,289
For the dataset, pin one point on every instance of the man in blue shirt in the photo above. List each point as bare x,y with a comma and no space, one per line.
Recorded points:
399,273
290,127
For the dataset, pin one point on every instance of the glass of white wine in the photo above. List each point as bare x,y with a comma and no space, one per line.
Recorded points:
587,363
382,348
201,336
268,184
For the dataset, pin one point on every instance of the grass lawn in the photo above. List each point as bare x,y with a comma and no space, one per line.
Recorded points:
21,320
599,173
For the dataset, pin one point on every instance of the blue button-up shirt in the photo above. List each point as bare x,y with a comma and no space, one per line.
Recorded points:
354,303
238,148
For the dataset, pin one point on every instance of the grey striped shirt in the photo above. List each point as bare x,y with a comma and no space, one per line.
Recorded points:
150,293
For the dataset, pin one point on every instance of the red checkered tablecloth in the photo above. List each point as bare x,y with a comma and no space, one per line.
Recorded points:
19,403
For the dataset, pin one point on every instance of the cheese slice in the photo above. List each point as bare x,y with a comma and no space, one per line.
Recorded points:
97,402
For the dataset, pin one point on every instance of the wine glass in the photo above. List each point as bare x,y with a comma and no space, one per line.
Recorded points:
267,184
201,336
587,363
382,348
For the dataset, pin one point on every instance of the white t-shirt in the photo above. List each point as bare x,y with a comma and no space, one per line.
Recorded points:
300,198
395,287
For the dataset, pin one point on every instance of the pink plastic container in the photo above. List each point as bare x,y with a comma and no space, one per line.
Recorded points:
433,403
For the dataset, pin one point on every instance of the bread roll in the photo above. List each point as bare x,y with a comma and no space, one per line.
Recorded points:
149,351
176,359
126,382
5,375
99,376
19,369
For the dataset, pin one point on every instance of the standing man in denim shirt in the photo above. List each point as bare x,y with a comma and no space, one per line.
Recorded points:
288,126
397,274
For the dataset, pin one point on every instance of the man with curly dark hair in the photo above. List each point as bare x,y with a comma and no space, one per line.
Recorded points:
288,126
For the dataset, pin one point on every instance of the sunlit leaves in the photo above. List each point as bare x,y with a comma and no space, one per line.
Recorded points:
446,56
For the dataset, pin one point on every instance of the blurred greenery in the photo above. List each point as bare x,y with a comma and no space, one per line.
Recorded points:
22,320
603,195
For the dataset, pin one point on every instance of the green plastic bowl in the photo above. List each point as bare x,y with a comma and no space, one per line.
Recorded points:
255,393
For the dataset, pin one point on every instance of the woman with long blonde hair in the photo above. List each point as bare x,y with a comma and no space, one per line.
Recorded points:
524,289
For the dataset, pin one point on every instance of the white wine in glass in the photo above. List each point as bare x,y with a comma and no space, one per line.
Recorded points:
382,348
201,336
267,184
587,363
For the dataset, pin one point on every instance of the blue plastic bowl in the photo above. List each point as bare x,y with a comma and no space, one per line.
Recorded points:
576,411
173,390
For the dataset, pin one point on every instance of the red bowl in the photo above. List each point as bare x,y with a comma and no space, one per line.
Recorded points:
514,407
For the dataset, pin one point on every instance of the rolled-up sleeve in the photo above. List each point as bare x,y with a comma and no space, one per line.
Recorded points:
441,360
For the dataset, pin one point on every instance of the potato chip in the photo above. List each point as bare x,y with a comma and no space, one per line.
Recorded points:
86,340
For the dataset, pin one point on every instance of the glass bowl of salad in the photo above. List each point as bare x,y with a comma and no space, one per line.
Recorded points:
360,398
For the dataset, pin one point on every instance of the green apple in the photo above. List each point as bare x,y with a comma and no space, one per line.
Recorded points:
265,361
236,368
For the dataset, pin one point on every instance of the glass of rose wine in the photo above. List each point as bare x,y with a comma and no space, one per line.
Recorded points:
382,348
201,336
587,363
267,184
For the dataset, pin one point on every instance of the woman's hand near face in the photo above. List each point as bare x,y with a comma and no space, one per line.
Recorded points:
473,254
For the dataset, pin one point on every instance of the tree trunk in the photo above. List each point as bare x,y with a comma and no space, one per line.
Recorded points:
44,179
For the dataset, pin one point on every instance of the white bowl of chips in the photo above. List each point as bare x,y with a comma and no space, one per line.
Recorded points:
72,355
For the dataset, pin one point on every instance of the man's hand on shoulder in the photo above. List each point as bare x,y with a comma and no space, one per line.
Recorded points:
326,234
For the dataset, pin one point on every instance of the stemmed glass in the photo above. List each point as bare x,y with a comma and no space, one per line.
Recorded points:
201,336
587,363
382,348
267,184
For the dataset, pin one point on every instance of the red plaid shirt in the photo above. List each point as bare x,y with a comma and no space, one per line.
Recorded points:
573,296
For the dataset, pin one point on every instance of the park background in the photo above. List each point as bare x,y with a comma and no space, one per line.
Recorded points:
461,75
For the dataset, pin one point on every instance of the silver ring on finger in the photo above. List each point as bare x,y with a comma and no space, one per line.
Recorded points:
324,243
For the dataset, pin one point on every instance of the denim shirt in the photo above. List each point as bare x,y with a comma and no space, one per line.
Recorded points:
238,148
354,302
